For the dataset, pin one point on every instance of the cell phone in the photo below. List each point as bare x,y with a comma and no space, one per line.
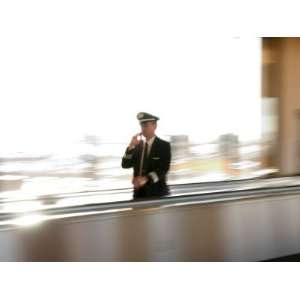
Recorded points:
141,136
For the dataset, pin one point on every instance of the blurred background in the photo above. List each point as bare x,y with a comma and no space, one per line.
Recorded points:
69,106
74,75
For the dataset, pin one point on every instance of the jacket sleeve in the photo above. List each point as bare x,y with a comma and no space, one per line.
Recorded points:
164,165
129,158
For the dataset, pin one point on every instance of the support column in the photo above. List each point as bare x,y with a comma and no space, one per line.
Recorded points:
289,107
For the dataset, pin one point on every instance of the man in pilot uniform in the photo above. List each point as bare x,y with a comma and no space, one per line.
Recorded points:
150,159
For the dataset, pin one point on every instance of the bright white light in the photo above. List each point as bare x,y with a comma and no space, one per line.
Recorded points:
28,220
21,206
91,69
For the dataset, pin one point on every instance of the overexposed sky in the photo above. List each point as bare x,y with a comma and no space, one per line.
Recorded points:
73,69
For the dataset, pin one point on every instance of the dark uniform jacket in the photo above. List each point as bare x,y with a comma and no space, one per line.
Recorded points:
155,167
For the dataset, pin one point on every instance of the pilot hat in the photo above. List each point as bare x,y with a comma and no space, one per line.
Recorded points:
145,117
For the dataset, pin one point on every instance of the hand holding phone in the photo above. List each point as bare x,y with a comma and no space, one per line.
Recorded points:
135,140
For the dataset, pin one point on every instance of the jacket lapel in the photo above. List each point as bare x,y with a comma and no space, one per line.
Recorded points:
153,147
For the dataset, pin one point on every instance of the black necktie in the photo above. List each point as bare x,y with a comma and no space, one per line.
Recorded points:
143,161
145,157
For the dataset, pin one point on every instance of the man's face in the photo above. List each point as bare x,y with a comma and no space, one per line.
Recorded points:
148,128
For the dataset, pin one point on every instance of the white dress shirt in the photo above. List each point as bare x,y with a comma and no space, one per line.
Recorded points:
150,142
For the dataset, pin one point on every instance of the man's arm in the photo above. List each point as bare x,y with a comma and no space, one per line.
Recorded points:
129,158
